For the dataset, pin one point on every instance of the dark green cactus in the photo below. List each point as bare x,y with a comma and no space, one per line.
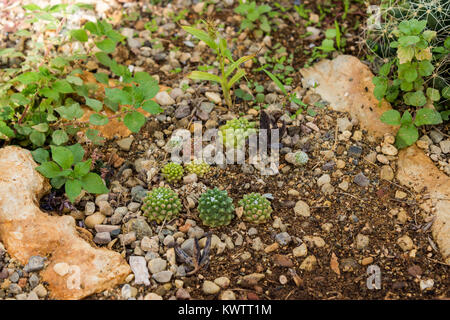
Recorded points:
161,204
257,208
216,208
172,172
200,168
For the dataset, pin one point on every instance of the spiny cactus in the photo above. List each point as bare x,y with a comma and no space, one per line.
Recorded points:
257,208
199,167
301,158
235,131
215,208
172,172
161,204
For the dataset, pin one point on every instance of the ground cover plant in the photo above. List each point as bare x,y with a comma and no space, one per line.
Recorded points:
75,77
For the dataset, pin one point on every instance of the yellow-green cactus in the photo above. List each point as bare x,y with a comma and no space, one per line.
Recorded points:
172,172
200,168
161,204
257,208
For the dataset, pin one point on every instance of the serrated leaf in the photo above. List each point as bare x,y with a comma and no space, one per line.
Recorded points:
98,119
28,77
433,94
62,86
59,137
118,95
405,54
94,104
79,35
101,77
106,45
37,138
416,98
58,182
152,107
134,121
427,116
104,59
391,117
49,169
92,183
62,156
40,155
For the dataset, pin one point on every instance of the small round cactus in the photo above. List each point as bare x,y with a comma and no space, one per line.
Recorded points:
172,172
235,131
161,204
200,168
257,208
301,158
216,208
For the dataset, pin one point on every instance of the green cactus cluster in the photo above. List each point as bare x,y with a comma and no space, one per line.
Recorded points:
216,208
161,204
199,167
172,172
301,158
257,208
234,132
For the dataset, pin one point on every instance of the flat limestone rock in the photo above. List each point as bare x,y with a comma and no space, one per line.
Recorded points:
27,231
346,83
113,128
417,171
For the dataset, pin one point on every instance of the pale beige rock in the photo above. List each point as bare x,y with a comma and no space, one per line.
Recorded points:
27,231
343,82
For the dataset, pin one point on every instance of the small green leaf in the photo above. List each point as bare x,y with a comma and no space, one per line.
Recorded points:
118,95
74,80
277,82
391,117
446,92
406,136
199,75
79,35
202,35
134,121
98,119
77,151
58,182
28,77
94,104
416,98
92,183
426,116
152,107
40,155
433,94
41,127
106,45
62,86
62,156
37,138
406,118
82,168
94,136
425,68
104,59
73,189
101,77
49,169
59,137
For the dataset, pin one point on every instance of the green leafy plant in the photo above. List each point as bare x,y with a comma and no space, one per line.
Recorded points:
257,209
199,167
68,168
234,132
332,38
172,172
41,101
161,204
230,73
255,15
216,208
403,79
